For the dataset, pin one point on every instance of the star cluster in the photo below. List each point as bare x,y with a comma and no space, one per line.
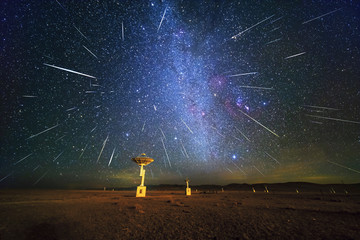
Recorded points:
217,91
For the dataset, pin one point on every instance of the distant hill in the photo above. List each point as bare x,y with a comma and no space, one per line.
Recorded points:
259,187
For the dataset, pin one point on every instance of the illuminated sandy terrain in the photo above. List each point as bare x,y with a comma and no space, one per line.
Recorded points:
65,214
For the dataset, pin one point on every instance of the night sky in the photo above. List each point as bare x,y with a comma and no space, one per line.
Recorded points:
216,91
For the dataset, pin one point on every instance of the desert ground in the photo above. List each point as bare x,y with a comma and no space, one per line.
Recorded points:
85,214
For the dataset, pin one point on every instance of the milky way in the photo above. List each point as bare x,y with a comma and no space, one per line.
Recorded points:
217,91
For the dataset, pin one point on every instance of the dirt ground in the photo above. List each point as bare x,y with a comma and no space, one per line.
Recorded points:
70,214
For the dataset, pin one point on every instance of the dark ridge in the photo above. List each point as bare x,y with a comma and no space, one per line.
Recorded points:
259,187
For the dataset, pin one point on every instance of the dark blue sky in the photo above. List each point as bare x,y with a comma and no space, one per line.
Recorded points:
217,91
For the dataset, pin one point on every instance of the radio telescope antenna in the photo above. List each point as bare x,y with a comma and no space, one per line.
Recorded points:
142,161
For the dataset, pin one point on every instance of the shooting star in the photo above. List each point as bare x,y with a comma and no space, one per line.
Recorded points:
61,6
273,158
186,125
321,16
316,122
242,32
6,176
186,154
143,127
58,156
48,129
162,133
238,168
165,151
217,131
36,168
82,152
182,152
80,32
254,87
259,123
122,31
243,74
259,171
112,155
70,109
40,178
243,134
155,108
229,169
161,20
334,119
90,52
272,30
326,108
273,21
296,55
29,96
69,70
273,41
339,165
60,138
103,146
93,129
90,92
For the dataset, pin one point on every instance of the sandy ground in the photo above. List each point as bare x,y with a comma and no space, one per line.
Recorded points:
69,214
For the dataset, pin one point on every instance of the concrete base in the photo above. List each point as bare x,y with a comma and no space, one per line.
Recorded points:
188,191
141,191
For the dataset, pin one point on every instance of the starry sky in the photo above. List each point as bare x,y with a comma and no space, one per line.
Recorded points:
216,91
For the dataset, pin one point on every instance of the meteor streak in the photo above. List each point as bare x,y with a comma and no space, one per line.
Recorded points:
162,133
58,156
80,32
184,149
70,109
243,74
240,33
186,125
321,16
29,96
167,156
40,178
90,52
334,119
60,138
6,176
263,88
48,129
296,55
339,165
327,108
272,158
93,129
36,168
243,134
122,31
238,168
161,20
69,70
112,156
259,123
143,127
259,171
276,40
103,146
82,152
